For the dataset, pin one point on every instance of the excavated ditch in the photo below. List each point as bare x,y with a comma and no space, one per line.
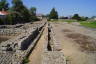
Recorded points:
49,41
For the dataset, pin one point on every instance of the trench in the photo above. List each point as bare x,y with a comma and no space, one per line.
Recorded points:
29,40
35,54
49,40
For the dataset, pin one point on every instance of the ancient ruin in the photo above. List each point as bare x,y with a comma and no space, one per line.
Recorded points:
16,49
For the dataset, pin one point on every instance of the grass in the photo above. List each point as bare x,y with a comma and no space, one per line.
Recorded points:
26,61
91,24
63,20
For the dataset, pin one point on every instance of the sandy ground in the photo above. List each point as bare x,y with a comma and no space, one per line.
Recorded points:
36,55
71,49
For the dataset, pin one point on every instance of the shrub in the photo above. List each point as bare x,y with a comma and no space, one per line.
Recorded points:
25,61
9,19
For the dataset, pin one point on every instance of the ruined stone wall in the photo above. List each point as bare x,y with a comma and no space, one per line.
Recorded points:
11,29
13,52
52,49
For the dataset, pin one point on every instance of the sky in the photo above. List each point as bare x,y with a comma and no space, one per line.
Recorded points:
64,7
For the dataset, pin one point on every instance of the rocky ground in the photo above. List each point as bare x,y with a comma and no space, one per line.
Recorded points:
78,43
4,38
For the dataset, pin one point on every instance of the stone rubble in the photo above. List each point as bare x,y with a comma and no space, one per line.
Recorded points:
55,55
16,49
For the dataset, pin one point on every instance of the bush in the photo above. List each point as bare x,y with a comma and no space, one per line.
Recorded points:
79,18
1,21
34,18
25,61
9,19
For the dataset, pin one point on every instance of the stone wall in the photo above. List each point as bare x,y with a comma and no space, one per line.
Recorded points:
16,49
52,49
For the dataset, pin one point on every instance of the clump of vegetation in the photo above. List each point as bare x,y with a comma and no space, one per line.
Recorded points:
90,24
33,14
26,61
53,14
79,18
4,5
63,20
18,13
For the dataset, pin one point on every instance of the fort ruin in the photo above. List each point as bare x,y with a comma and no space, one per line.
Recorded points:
25,37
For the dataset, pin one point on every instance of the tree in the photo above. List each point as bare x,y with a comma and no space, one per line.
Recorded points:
84,18
33,11
33,14
53,14
4,5
76,16
21,12
79,18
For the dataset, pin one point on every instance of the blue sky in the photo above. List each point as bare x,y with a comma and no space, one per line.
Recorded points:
64,7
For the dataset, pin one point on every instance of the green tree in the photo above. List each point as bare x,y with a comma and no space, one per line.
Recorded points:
76,16
4,5
33,14
84,18
33,11
79,18
9,19
53,14
21,12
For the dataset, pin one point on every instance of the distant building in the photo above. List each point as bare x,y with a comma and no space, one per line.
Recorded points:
3,14
40,16
94,18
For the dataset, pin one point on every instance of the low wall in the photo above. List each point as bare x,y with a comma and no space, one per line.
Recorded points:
52,51
18,48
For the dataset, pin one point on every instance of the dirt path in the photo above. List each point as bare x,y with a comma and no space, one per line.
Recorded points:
71,49
35,57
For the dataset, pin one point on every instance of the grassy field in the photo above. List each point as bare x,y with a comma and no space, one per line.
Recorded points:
89,24
65,20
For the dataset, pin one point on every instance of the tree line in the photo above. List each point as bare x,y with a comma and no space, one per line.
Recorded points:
18,13
54,15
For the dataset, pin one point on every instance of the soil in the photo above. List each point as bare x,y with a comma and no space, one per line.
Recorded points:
4,38
78,43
